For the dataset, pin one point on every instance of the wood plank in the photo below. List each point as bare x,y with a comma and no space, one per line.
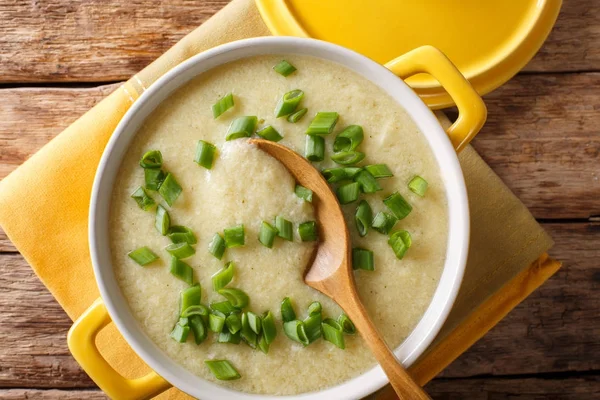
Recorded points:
542,136
110,40
53,394
555,330
6,245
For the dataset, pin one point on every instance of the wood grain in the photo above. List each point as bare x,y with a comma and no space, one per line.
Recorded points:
110,40
553,331
52,394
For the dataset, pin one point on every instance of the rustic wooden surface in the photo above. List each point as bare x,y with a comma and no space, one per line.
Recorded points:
542,138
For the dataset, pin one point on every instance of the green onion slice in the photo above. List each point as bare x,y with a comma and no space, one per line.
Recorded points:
418,185
384,222
400,241
362,259
262,344
224,104
268,327
189,297
368,183
363,218
200,310
238,298
241,127
180,250
205,154
198,328
348,139
379,171
348,193
170,189
154,178
397,205
314,149
295,330
235,236
312,327
284,68
162,221
267,234
297,116
223,276
144,201
308,231
323,123
222,370
287,310
217,246
288,103
348,157
247,333
332,332
269,133
151,159
180,333
346,324
339,174
143,256
284,228
233,322
304,193
181,270
224,307
228,337
255,322
314,308
180,234
216,322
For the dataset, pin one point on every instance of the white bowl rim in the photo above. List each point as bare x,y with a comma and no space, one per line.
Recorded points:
458,211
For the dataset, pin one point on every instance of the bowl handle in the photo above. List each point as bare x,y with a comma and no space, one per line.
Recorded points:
471,109
82,343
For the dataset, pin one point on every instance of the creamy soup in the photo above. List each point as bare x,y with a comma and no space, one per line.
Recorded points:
246,186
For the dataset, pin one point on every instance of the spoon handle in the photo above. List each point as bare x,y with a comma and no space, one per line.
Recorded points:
404,386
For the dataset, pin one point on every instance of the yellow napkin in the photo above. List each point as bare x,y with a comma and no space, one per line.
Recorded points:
44,206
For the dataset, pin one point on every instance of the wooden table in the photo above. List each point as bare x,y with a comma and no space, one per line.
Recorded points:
59,57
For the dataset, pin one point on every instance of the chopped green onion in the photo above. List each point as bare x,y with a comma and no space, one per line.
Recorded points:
384,222
348,139
228,337
314,149
181,270
323,123
314,308
288,103
189,297
312,327
269,133
180,333
304,193
284,228
241,127
308,231
268,327
346,324
400,241
379,171
295,331
247,333
362,259
199,309
397,205
222,370
235,236
205,154
368,183
363,217
223,276
348,157
297,116
418,185
183,321
170,189
263,345
224,307
144,201
287,310
143,256
151,159
254,321
234,322
224,104
339,174
284,68
237,297
332,332
162,221
180,250
196,324
180,234
216,323
217,246
153,178
348,193
267,234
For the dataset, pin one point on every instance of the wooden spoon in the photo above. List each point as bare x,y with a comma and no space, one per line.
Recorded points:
331,269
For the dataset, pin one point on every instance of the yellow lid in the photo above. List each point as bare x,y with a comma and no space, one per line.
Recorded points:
488,40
